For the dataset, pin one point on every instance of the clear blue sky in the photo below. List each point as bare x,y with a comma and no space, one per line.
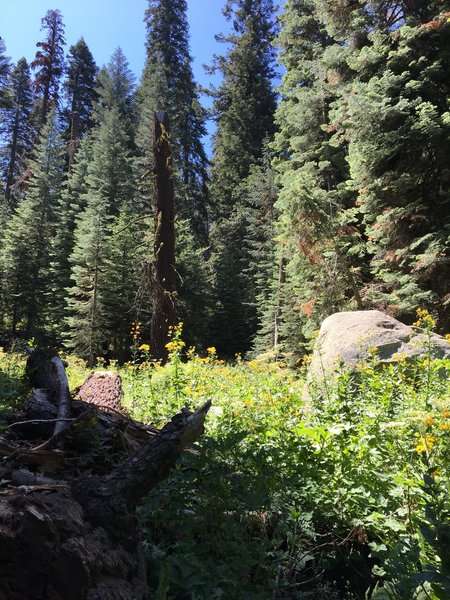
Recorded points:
106,24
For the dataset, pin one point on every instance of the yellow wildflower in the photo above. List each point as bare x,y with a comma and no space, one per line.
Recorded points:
144,347
428,421
424,319
135,331
426,362
212,351
446,414
425,443
175,330
444,426
175,345
203,361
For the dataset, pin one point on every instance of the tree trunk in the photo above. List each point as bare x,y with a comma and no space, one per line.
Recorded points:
12,159
68,523
163,314
74,140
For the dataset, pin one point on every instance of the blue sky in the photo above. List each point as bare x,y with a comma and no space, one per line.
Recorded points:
105,25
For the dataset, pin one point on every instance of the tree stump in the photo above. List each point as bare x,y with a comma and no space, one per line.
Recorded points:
102,388
68,523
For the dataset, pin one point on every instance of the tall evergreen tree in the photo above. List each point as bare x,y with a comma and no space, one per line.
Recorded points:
16,129
108,190
357,227
400,169
71,204
86,326
318,221
168,84
244,107
80,92
26,247
244,104
116,89
260,196
4,74
49,64
126,247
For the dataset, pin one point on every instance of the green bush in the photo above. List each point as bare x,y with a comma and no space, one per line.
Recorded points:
345,499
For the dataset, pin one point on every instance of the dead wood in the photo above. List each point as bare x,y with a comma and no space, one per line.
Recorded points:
136,475
102,388
63,396
68,523
163,309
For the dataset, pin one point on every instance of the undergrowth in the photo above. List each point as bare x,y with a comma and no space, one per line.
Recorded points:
346,500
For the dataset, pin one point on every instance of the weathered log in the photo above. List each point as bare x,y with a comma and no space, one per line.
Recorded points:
50,397
63,396
68,527
120,491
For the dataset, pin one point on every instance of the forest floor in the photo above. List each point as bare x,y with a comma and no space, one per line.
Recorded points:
350,499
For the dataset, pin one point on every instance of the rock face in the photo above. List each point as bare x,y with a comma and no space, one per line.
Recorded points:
348,336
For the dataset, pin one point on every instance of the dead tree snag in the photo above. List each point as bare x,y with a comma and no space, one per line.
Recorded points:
163,313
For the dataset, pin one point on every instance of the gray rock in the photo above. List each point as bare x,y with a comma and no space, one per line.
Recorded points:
349,337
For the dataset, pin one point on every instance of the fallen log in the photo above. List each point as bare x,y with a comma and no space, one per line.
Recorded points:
68,523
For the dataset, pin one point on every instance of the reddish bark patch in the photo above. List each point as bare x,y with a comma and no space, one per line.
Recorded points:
102,388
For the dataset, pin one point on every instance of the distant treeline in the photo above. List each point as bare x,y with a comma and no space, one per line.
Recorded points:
329,193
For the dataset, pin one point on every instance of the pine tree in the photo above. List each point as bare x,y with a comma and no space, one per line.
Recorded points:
126,247
244,106
194,299
260,195
108,190
357,113
116,89
319,225
400,168
86,327
80,93
26,246
71,204
5,67
49,64
16,130
168,84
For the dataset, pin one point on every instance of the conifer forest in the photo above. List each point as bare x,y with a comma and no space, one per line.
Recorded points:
198,274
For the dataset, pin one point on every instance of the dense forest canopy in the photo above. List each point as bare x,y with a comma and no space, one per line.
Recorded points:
198,275
330,192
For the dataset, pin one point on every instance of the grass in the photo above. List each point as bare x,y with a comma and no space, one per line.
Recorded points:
349,500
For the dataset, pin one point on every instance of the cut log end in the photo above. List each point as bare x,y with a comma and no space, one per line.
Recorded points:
67,513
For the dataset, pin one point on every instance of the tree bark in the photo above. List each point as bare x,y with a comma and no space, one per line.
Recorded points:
68,523
163,313
12,159
74,140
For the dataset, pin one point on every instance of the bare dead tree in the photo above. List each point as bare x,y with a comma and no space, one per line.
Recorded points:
163,313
